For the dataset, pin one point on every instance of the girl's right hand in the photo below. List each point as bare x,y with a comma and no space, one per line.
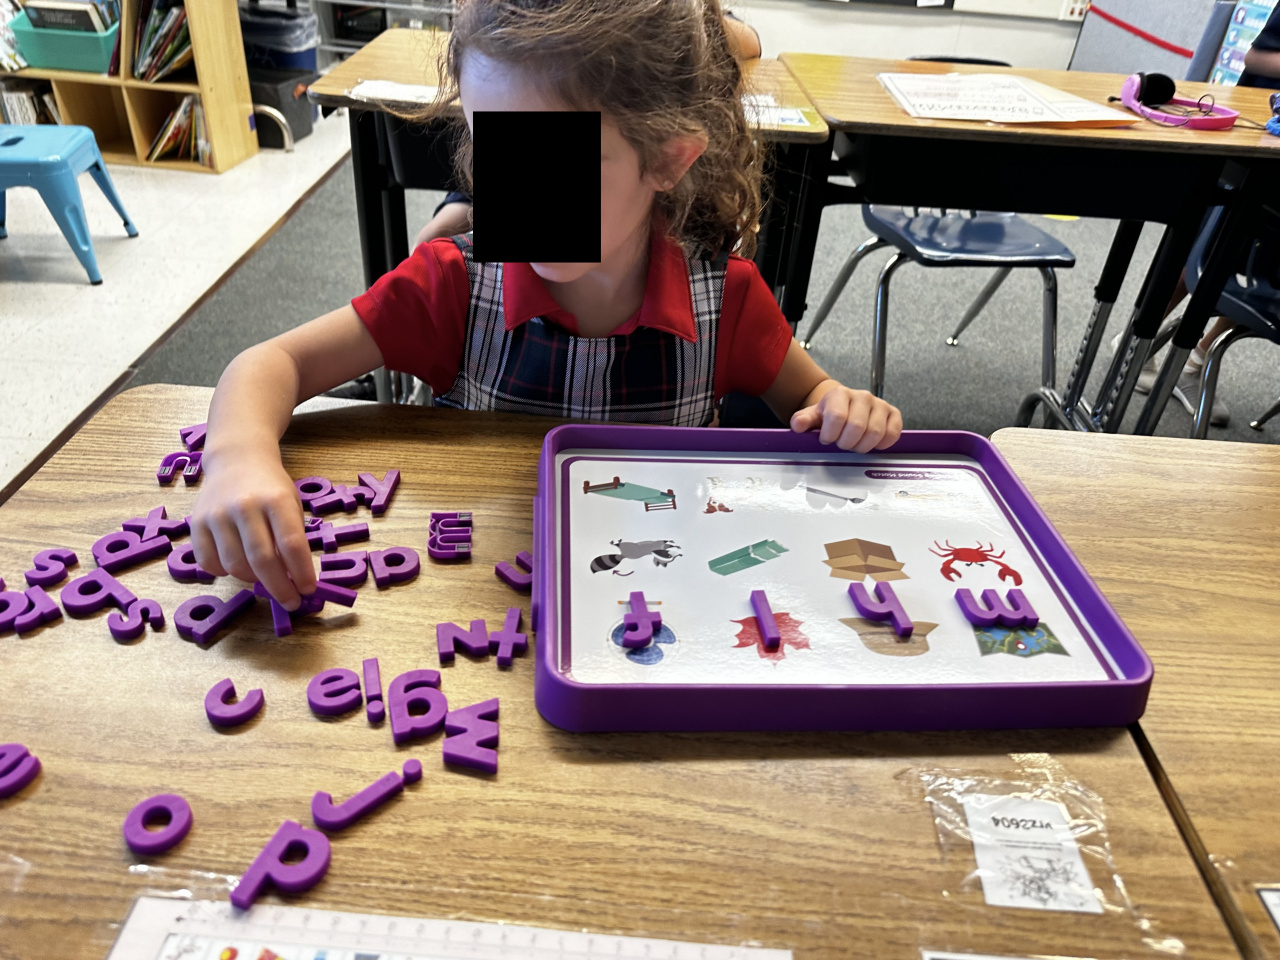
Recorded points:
247,522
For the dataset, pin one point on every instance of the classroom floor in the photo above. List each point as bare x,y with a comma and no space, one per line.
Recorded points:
313,265
65,345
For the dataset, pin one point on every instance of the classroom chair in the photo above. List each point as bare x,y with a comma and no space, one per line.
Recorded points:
1254,306
953,239
50,158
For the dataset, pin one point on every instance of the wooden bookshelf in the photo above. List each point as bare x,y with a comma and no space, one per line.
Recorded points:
125,114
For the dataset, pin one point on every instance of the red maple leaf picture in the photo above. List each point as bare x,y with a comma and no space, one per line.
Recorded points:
749,635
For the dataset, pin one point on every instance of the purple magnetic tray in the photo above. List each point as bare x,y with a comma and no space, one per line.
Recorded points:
697,520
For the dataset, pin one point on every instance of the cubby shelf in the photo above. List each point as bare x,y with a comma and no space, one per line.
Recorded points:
125,114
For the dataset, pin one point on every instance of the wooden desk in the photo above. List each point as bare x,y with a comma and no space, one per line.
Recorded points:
849,97
819,843
1147,172
1181,536
414,57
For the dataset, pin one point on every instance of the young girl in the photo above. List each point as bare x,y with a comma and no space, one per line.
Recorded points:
656,332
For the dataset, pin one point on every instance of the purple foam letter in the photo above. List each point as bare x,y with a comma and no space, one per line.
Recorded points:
140,613
222,712
339,816
474,642
394,565
193,436
348,569
50,567
42,610
313,488
183,567
18,767
382,489
374,708
93,591
332,693
512,577
200,618
156,524
639,625
883,606
1016,614
764,618
168,809
270,867
415,689
189,461
506,643
124,549
470,735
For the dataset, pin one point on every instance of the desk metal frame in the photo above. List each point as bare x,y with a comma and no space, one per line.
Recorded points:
1175,188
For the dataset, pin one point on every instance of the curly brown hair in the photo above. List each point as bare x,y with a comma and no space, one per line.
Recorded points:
658,69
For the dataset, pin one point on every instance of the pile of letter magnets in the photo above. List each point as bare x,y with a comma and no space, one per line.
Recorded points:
416,706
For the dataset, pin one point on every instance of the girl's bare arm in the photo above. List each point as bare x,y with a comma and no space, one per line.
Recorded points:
247,521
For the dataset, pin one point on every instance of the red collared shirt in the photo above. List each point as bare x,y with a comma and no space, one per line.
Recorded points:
417,314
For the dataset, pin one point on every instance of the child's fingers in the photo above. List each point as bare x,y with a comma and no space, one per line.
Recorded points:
855,422
267,566
893,430
877,425
206,549
291,544
802,421
835,416
230,552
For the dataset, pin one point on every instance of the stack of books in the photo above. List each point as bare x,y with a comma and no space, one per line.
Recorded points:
83,16
183,136
26,101
10,59
163,40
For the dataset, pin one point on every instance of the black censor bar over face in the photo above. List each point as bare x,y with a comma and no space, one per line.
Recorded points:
537,174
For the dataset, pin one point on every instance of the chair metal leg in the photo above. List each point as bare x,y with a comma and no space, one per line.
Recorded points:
1262,420
976,307
103,179
882,322
842,278
1209,377
3,234
1049,335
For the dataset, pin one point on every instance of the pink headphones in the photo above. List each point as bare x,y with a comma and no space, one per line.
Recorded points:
1143,92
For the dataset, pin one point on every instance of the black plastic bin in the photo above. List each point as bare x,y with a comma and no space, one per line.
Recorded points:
286,90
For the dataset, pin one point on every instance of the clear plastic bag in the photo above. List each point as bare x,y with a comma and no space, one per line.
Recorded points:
996,871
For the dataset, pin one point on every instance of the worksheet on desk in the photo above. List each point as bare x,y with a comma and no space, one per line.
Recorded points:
161,928
995,97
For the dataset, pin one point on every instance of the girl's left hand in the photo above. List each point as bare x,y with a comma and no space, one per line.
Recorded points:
854,420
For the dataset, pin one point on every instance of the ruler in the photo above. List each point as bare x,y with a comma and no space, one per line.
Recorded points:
161,928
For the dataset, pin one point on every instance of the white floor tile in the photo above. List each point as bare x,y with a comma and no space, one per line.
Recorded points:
63,341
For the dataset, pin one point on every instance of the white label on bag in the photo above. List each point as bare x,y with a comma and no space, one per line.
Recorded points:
1027,856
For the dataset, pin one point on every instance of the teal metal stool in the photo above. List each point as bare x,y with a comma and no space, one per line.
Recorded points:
50,158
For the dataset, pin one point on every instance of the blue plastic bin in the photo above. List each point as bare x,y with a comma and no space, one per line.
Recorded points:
64,49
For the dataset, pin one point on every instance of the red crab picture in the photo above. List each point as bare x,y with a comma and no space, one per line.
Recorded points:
971,555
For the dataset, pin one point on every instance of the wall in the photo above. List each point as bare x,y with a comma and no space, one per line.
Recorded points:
872,30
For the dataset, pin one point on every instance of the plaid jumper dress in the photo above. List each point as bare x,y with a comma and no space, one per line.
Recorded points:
647,376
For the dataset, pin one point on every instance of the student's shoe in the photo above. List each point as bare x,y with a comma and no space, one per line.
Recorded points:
361,388
1147,376
1187,390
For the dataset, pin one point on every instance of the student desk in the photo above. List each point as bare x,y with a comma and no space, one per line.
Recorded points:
1200,594
816,842
411,57
1146,172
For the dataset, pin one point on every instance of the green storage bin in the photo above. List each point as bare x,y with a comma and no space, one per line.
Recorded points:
64,49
